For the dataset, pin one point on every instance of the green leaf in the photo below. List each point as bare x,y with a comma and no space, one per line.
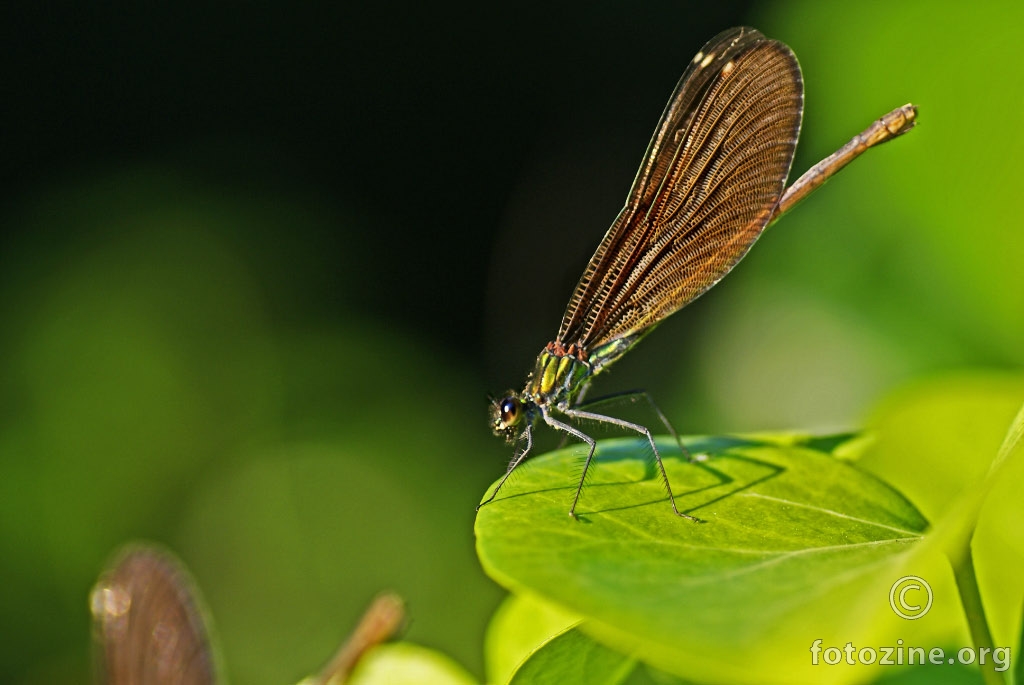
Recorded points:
793,549
932,674
1018,662
403,663
520,626
937,438
572,658
1014,439
953,444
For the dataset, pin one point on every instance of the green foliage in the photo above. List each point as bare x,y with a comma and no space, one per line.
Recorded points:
572,658
796,544
519,627
789,533
937,440
1018,664
949,429
403,663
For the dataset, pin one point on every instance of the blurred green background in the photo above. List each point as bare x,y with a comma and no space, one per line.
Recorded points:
260,265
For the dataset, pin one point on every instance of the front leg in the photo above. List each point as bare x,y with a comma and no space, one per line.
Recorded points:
566,428
517,459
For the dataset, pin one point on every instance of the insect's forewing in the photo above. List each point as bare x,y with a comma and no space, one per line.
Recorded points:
714,171
148,624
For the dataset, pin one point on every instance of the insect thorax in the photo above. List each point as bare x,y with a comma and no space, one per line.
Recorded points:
559,374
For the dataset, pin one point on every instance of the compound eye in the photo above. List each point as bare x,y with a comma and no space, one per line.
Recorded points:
509,411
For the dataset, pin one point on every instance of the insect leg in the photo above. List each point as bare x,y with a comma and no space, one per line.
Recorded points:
642,430
579,402
558,425
646,397
517,459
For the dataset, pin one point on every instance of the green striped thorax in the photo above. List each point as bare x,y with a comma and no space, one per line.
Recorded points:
557,378
559,375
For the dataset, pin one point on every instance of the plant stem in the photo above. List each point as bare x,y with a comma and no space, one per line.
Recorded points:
970,599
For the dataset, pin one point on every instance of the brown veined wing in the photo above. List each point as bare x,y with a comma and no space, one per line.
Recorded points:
148,623
712,175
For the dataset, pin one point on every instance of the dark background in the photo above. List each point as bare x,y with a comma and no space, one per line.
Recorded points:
415,120
260,265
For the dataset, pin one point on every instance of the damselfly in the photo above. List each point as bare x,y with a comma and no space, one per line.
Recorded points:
714,177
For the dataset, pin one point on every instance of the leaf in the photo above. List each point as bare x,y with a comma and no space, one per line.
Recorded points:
792,549
403,663
520,626
948,429
1014,439
932,674
953,444
1018,662
572,658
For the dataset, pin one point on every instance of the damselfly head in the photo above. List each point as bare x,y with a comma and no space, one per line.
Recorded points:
506,415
